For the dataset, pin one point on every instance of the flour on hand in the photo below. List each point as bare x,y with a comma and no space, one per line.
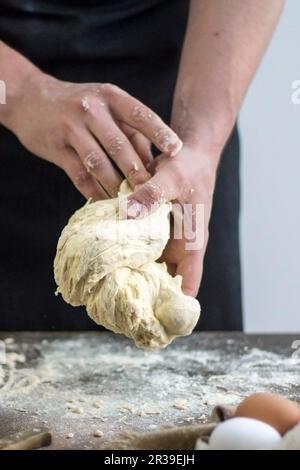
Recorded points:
108,264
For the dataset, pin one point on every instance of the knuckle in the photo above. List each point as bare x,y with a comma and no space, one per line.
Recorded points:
116,145
153,193
141,113
90,104
162,134
166,140
137,175
109,90
85,103
81,178
95,161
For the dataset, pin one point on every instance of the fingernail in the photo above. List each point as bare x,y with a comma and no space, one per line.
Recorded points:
135,209
174,149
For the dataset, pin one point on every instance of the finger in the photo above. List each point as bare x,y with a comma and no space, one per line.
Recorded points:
137,115
190,268
119,148
82,180
96,161
140,143
162,187
158,162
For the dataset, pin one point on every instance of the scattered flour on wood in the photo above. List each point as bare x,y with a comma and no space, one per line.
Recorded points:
115,385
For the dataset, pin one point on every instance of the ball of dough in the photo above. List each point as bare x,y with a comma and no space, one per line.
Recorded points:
107,263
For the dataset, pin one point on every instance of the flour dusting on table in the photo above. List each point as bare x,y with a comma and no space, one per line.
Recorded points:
117,387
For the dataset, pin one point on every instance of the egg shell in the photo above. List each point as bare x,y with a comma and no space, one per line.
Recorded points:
278,412
244,434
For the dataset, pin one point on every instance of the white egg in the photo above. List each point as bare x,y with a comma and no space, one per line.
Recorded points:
244,434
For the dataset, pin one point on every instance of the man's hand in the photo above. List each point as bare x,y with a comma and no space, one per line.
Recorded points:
97,133
224,43
188,179
83,128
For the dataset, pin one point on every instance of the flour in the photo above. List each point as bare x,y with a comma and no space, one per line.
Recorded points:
7,373
180,404
118,387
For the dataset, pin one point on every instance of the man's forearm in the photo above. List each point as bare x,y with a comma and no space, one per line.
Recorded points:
14,71
224,43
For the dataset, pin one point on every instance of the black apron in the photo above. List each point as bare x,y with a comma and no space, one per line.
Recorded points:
136,45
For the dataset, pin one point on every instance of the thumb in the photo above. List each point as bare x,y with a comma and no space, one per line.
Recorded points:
162,187
190,268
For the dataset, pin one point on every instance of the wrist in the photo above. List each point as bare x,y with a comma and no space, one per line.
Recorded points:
206,127
16,72
205,159
204,133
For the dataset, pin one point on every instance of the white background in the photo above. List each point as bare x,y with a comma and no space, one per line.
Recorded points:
270,223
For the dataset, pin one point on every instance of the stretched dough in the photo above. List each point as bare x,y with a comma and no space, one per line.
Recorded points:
108,264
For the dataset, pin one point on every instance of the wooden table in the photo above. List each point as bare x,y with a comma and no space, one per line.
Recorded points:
77,384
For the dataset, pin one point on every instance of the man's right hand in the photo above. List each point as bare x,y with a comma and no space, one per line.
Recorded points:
87,128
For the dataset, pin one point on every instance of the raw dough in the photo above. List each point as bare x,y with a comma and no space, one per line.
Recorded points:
108,264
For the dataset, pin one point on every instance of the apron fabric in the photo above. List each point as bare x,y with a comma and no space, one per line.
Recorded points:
135,45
